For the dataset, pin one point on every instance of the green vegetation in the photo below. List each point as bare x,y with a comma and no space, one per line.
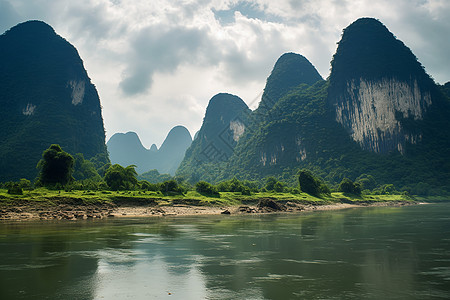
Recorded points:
308,183
51,197
154,176
207,189
295,126
56,167
214,145
120,178
292,144
39,70
349,187
121,186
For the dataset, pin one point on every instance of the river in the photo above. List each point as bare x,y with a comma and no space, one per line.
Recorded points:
359,253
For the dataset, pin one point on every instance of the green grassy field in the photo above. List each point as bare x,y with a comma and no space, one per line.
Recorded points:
50,197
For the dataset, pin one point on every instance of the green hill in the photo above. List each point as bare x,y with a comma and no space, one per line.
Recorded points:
46,98
378,114
224,123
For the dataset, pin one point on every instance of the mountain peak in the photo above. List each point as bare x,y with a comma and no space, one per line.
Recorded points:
368,49
290,70
376,82
47,98
222,100
178,136
33,29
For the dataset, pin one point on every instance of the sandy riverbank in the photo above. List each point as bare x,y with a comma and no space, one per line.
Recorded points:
35,211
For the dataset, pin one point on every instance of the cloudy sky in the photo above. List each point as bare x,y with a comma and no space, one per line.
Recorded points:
156,63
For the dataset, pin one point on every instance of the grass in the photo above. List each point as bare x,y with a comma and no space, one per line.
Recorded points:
51,197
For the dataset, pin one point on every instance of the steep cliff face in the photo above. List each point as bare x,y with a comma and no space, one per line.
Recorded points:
46,98
224,123
373,111
375,84
378,114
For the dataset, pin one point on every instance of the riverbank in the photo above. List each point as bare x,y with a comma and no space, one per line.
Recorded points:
80,205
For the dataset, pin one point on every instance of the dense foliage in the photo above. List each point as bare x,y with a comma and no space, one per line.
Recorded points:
205,188
308,183
290,70
154,176
348,186
120,178
56,167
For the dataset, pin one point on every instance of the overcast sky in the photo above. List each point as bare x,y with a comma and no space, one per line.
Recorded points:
156,63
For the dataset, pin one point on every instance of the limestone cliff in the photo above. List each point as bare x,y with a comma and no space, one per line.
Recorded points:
375,84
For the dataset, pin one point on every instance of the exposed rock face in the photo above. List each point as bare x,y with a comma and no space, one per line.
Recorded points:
372,111
379,115
46,98
375,84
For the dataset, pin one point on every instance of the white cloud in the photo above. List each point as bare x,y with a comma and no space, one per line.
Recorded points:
157,63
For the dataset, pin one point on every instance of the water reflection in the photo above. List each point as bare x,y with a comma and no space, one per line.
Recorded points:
374,253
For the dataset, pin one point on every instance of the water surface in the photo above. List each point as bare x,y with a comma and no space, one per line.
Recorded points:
362,253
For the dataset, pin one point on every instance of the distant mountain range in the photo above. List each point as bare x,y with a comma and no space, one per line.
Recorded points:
46,98
377,114
126,149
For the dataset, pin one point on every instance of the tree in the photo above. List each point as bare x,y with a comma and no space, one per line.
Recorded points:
347,186
235,185
270,183
367,182
278,187
205,188
120,178
14,189
84,169
308,183
171,187
56,167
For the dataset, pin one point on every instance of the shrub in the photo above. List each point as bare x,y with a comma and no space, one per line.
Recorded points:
278,187
348,186
246,191
56,167
205,188
295,191
324,189
120,178
308,183
25,184
15,189
147,186
270,183
171,187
